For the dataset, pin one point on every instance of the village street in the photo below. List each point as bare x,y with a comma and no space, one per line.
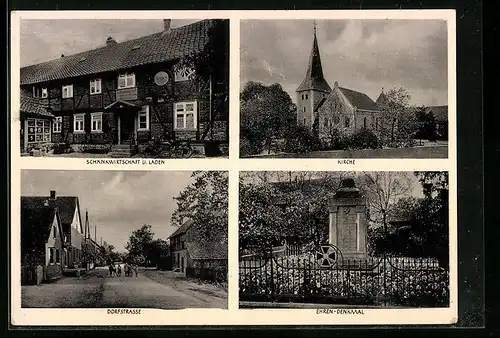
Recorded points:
97,290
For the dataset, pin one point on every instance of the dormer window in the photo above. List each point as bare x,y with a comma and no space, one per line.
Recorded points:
40,92
183,74
95,86
67,91
126,80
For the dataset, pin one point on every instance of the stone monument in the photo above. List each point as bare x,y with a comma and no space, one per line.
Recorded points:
348,221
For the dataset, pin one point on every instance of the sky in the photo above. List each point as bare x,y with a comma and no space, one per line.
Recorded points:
118,202
43,40
363,55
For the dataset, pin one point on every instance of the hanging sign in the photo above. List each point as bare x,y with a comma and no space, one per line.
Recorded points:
161,78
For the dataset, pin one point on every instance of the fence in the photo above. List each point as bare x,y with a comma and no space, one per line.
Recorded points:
213,273
384,281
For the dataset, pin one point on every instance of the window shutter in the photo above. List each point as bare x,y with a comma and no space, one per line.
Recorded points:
71,123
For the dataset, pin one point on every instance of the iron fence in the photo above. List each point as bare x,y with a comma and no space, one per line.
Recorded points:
316,278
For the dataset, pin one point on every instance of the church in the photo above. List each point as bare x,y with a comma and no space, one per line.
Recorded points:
341,109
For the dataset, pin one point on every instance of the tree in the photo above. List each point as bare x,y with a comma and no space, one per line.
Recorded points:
265,112
159,253
427,128
205,202
399,122
140,241
285,206
383,189
211,67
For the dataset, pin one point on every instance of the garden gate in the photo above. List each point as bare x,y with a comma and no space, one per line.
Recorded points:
323,275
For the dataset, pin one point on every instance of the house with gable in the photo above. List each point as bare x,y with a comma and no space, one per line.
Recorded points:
72,231
194,258
126,94
42,242
319,106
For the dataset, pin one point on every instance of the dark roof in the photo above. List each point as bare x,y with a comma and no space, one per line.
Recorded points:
207,250
66,205
314,75
31,105
439,112
182,229
359,100
160,47
381,99
36,222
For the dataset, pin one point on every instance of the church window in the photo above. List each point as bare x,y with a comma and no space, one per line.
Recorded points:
364,122
306,97
304,109
304,121
346,122
302,96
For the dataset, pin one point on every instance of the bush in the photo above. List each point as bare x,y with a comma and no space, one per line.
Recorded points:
300,139
364,138
61,148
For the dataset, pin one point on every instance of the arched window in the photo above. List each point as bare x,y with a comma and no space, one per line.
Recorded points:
364,122
306,97
304,122
304,109
302,96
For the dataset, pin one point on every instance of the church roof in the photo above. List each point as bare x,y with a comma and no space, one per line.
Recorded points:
382,98
359,100
314,76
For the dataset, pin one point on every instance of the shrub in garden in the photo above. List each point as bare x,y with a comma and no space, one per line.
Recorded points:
364,138
299,139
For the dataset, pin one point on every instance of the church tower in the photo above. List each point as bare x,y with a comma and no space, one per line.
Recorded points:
312,89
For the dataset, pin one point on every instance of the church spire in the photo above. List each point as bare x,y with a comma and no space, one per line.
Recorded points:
314,79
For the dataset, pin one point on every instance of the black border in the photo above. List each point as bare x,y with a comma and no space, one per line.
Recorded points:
469,142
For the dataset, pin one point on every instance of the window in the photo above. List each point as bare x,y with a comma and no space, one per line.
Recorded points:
183,74
302,96
95,86
306,97
304,109
304,121
55,232
67,91
185,115
79,123
144,118
96,122
51,255
376,123
57,125
364,122
40,92
38,130
58,257
347,122
126,80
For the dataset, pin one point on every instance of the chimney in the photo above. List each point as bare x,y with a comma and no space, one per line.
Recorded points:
110,41
52,194
166,24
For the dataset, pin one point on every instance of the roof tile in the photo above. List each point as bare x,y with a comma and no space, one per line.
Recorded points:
159,47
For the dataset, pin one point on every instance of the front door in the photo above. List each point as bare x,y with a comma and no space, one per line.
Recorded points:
126,128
